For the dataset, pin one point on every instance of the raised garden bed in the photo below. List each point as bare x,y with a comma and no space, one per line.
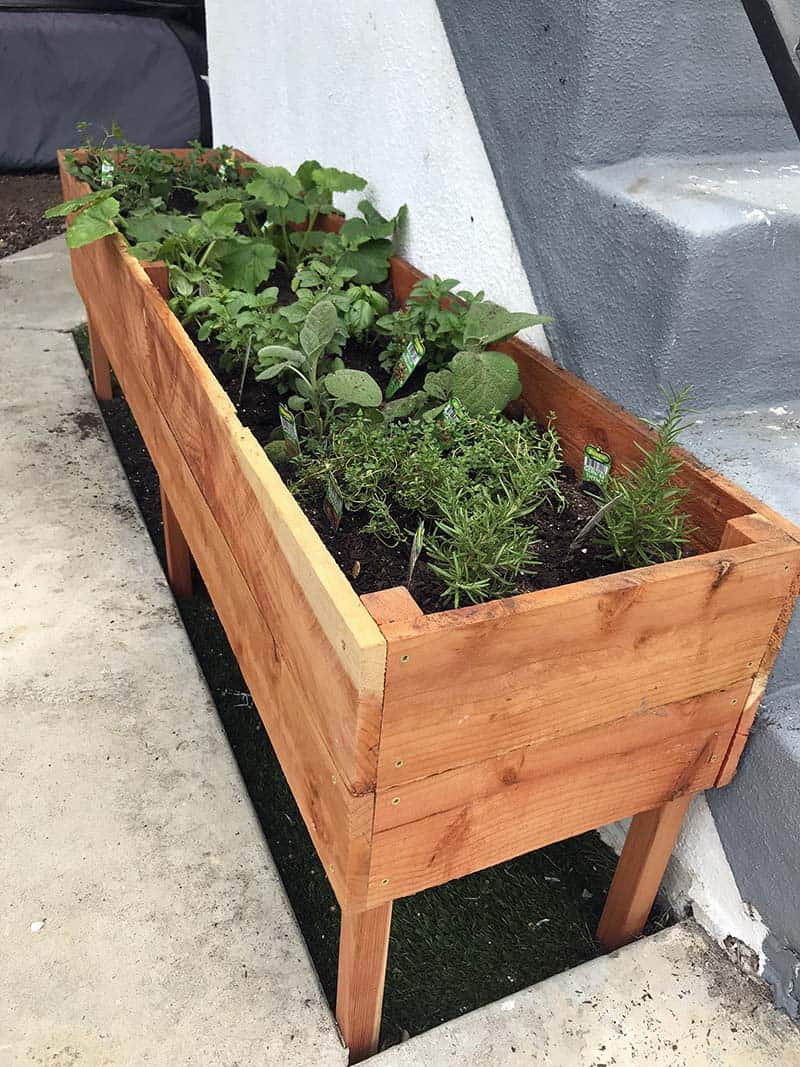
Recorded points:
423,747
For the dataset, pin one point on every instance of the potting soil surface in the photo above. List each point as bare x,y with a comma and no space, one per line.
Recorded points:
23,200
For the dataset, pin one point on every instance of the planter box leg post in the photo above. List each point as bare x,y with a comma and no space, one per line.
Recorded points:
363,946
101,368
641,867
179,558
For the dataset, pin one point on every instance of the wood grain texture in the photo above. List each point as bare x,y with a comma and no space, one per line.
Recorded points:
101,368
464,684
755,529
648,847
339,821
363,948
446,826
179,558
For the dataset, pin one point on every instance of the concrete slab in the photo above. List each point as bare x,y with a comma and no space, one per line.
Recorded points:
672,1000
141,918
36,289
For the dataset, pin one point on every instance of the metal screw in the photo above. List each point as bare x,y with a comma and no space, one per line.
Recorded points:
395,800
733,701
399,762
713,759
404,659
384,881
334,779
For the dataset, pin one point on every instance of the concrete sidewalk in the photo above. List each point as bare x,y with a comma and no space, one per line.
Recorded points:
142,921
141,918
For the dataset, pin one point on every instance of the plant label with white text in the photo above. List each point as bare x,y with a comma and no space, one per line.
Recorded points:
405,366
290,434
596,465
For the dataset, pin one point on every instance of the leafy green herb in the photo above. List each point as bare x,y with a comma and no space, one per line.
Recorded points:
644,525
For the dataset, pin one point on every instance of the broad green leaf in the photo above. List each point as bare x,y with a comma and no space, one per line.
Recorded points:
305,173
153,227
319,328
277,452
81,202
337,181
223,220
295,212
404,406
246,263
274,185
439,384
272,371
485,381
370,261
354,387
279,352
487,322
93,223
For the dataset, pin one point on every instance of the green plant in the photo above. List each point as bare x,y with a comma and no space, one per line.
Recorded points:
435,313
323,387
476,482
644,525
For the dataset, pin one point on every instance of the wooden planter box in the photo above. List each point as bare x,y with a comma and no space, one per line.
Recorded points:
420,747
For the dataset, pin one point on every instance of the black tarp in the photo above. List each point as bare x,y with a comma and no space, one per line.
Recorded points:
58,68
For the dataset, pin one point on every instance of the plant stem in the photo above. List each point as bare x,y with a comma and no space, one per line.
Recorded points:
244,371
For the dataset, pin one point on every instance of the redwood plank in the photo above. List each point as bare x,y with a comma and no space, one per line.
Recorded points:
101,368
508,805
464,684
179,558
648,847
363,948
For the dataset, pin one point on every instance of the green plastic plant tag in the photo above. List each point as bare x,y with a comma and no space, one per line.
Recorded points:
405,366
290,434
106,173
416,549
453,411
333,505
596,465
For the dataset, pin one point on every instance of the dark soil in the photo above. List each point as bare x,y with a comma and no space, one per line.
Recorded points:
453,948
23,200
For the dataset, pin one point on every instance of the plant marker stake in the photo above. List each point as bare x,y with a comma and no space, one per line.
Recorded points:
590,525
333,505
405,366
596,465
289,428
244,371
416,549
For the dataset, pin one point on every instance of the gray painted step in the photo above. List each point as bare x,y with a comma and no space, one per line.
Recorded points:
698,279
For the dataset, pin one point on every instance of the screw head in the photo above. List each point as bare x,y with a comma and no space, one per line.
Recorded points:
398,763
384,881
395,801
404,659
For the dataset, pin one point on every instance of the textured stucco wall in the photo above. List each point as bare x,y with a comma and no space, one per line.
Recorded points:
371,88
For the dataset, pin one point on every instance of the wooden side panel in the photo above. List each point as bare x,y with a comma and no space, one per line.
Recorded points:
298,586
339,821
584,416
489,679
754,529
448,825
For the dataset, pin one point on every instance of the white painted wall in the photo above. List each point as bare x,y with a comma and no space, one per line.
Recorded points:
373,88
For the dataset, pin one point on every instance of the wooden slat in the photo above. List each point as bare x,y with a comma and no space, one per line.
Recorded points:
363,947
648,847
338,821
488,679
294,579
179,558
101,368
754,529
471,818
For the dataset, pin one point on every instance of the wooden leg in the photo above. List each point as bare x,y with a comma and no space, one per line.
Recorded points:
101,368
363,946
641,867
179,558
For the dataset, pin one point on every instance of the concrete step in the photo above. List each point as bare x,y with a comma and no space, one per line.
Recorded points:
698,279
671,1000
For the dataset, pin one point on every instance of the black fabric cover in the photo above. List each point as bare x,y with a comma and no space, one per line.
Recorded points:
58,69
